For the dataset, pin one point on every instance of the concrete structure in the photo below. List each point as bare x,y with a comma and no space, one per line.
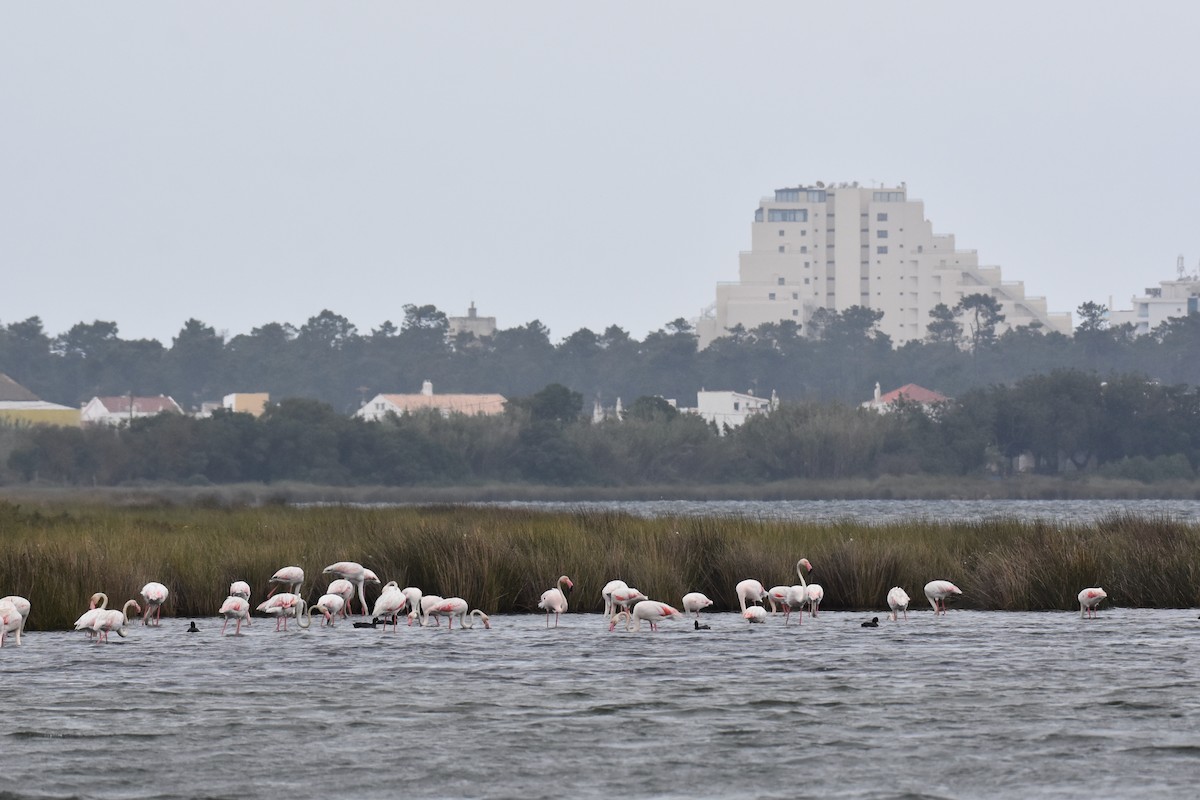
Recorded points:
19,406
253,403
839,246
908,393
731,408
1176,298
381,405
123,408
471,323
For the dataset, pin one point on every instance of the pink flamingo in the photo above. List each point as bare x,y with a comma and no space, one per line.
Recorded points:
1089,599
357,574
627,597
755,615
414,596
22,606
555,600
154,595
344,589
11,621
422,612
694,601
750,591
282,606
453,607
235,607
329,605
390,604
797,594
97,603
651,611
110,620
290,577
239,589
897,600
937,592
607,593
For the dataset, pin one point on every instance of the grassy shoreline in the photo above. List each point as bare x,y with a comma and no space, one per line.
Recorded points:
502,559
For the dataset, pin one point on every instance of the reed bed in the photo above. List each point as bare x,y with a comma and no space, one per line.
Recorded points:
501,559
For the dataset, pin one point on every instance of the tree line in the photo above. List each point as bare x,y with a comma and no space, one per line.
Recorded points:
1124,426
839,357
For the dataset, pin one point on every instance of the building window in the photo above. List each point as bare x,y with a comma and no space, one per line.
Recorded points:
787,215
920,248
881,216
781,233
888,197
758,215
806,281
787,195
795,312
779,281
796,295
781,248
881,234
881,250
771,296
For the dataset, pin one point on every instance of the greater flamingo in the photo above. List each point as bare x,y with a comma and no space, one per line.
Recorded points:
235,607
110,620
329,605
937,592
390,603
414,596
357,574
897,600
777,596
239,589
281,606
97,603
452,607
694,601
154,595
755,614
651,611
22,605
290,577
421,612
607,592
344,589
11,621
555,600
626,598
797,594
751,591
1089,599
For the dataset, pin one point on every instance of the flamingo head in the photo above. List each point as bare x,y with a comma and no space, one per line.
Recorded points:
567,583
371,577
486,622
804,563
96,598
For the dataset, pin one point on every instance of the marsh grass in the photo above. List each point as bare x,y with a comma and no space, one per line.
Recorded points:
501,560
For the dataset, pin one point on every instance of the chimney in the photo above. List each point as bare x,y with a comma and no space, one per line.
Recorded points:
427,388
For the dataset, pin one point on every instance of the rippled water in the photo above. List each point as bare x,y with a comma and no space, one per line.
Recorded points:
882,511
973,704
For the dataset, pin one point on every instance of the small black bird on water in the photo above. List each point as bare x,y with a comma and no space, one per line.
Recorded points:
374,623
193,628
874,623
700,627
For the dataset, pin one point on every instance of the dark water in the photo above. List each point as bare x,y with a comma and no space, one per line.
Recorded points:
884,511
973,704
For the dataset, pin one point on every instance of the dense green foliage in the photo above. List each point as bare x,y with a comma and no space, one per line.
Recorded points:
501,560
1100,401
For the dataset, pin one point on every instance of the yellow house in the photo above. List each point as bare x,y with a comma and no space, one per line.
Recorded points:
254,403
19,406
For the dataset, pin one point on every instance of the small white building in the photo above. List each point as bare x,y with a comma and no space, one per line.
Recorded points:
1176,298
928,399
381,405
123,408
732,408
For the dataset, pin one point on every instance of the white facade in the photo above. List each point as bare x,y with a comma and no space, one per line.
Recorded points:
731,408
839,246
1176,298
123,408
379,406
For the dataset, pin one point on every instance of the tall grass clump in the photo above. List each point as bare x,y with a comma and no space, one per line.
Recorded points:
501,560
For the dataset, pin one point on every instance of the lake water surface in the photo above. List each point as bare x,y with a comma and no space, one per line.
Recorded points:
970,705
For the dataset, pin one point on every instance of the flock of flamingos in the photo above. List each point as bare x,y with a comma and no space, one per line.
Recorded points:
623,604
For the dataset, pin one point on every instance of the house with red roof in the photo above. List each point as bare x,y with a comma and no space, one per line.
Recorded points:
908,393
123,408
381,405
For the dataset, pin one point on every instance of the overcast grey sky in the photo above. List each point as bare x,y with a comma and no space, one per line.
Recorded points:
584,165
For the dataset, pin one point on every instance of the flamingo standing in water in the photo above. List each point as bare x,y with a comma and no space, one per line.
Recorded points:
777,597
750,591
421,612
344,589
555,600
755,614
1089,599
624,599
897,600
414,595
290,577
607,594
239,589
110,620
797,594
329,606
694,601
22,606
97,603
452,607
651,611
282,606
357,574
937,592
154,595
235,607
390,603
11,621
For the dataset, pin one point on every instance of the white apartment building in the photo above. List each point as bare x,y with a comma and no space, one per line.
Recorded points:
731,408
1176,298
839,246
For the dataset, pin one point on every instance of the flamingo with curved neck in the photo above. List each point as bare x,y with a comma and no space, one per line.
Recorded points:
555,600
390,604
111,620
357,574
750,591
797,594
452,607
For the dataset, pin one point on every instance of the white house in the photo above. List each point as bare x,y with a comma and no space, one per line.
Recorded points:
381,405
908,393
123,408
732,408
